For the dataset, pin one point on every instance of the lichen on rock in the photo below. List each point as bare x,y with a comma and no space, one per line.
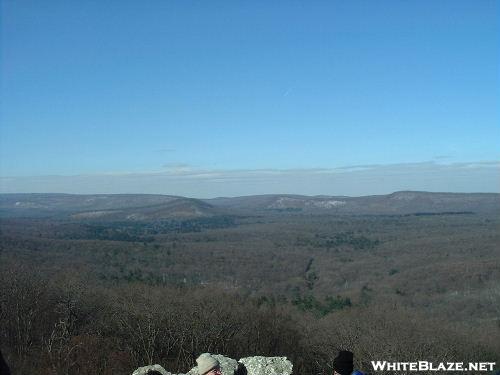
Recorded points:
144,370
267,365
257,365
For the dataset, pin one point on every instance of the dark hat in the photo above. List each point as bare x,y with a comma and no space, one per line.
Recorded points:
343,362
4,369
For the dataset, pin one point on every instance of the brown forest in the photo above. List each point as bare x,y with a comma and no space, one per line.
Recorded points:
105,297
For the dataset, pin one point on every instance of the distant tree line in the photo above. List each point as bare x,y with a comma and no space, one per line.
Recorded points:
138,231
357,242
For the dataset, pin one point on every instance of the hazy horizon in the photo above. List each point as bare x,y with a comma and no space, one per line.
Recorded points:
348,181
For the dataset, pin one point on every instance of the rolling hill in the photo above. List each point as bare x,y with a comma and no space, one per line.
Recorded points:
145,207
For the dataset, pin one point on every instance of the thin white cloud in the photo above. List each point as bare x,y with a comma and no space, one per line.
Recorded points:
176,165
442,157
183,180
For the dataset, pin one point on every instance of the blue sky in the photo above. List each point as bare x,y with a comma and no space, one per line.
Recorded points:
115,88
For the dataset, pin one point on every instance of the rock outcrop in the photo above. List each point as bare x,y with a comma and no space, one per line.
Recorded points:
144,370
267,365
257,365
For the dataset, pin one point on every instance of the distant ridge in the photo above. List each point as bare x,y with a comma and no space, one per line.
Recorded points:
103,206
156,207
401,202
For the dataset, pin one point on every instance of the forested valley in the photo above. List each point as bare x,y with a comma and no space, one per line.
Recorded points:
105,296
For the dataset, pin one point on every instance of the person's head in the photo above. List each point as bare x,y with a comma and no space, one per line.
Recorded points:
208,365
343,363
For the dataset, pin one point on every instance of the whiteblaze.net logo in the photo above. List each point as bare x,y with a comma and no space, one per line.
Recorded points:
431,366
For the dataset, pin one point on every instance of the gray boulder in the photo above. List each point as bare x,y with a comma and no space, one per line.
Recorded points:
144,370
253,365
267,365
228,365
